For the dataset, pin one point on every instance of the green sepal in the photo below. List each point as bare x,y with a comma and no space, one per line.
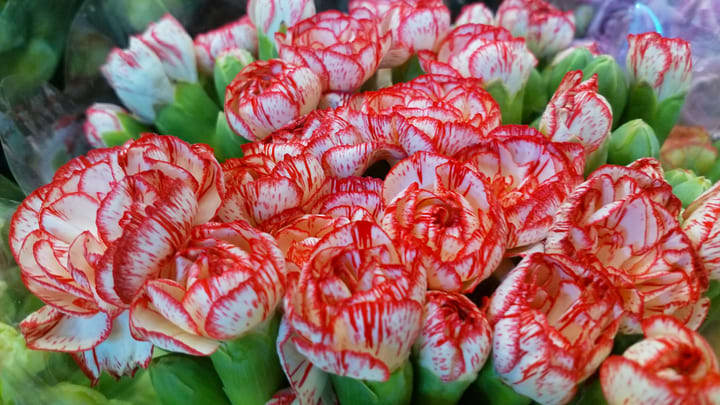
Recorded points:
597,158
191,116
226,68
511,106
576,60
407,71
633,140
589,393
249,366
641,104
489,389
397,390
180,379
266,47
666,115
686,185
429,389
132,130
535,98
611,84
227,143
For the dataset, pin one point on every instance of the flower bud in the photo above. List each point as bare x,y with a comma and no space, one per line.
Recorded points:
633,140
451,349
180,379
611,83
110,125
660,71
575,60
689,148
686,185
227,66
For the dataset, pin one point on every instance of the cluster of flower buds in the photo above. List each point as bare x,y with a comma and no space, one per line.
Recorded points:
379,246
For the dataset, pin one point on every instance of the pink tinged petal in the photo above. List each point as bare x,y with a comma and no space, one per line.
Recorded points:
663,63
119,354
309,384
423,27
138,78
354,160
174,47
477,13
261,200
419,169
345,362
101,118
508,62
456,337
702,225
50,329
147,244
239,34
25,220
148,324
69,216
624,382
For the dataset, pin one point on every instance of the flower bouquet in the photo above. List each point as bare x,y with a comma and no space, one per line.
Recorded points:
374,207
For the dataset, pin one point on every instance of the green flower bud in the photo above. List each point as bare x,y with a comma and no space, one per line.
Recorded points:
227,66
15,355
689,148
397,390
536,98
563,63
686,185
180,379
632,141
611,83
249,366
66,393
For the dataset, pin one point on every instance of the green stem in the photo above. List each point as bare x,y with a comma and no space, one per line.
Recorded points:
249,366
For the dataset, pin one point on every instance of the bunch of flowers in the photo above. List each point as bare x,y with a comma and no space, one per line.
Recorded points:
374,219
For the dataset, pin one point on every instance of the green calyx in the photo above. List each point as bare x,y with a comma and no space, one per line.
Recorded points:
488,388
397,390
576,60
511,105
429,389
249,367
535,97
633,140
180,379
227,66
192,116
661,115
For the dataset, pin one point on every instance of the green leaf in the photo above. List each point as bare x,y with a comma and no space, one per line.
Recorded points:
249,366
179,379
227,67
266,47
397,390
9,190
407,71
590,393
